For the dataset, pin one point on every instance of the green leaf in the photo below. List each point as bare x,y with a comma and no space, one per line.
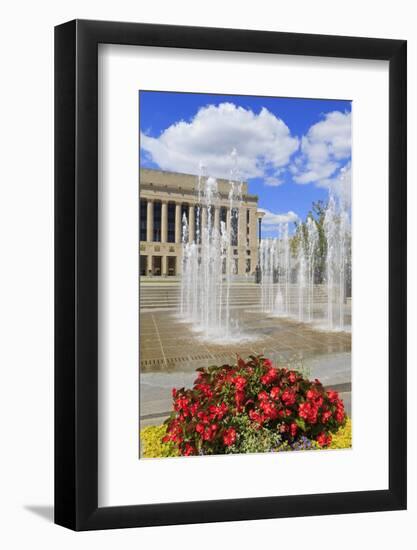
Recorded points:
301,424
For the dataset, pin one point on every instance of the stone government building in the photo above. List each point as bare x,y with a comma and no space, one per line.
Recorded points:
164,199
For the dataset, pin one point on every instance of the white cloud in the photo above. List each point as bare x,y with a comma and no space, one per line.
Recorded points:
272,181
270,221
341,185
263,142
324,149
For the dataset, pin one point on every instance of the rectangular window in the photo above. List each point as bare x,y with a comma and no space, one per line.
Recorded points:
143,217
235,266
171,222
210,216
235,225
156,265
198,211
223,216
172,263
184,212
248,265
157,222
143,264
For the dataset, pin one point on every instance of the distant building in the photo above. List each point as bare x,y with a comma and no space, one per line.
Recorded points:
164,199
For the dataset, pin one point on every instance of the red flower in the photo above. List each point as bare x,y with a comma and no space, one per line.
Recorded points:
308,412
210,432
269,409
239,398
199,428
288,397
189,450
229,436
239,382
181,403
326,415
312,394
193,409
333,396
275,392
256,417
269,377
203,417
340,411
218,411
324,440
292,377
205,390
263,396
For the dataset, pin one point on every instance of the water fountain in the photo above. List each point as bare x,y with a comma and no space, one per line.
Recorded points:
208,265
336,228
289,286
289,264
311,244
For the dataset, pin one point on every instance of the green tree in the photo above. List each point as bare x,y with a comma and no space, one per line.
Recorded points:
317,214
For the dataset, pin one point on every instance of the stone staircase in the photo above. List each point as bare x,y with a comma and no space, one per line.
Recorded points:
167,295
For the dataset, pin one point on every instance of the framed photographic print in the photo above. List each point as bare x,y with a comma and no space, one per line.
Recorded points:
230,275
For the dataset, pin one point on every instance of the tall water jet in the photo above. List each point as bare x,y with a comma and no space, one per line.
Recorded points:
301,275
208,263
267,253
283,271
293,281
311,251
336,229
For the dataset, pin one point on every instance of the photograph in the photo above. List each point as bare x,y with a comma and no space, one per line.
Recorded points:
208,235
245,274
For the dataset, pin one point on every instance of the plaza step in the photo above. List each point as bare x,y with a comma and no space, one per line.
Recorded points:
156,295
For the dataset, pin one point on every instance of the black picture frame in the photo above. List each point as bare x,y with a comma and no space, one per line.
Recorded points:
76,273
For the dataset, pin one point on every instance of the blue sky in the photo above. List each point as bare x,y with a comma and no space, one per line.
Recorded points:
290,150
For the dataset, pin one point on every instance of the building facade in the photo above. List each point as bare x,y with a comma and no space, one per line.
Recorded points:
165,197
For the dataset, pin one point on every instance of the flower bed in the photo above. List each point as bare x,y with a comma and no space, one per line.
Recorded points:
252,406
154,447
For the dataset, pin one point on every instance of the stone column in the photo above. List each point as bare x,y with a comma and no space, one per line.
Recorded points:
217,218
229,226
242,227
178,223
149,222
191,223
203,220
149,267
164,222
164,266
228,221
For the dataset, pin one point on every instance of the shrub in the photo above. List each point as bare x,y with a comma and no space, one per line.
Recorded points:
153,446
252,406
342,439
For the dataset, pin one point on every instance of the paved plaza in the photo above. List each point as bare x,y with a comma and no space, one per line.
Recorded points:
170,352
